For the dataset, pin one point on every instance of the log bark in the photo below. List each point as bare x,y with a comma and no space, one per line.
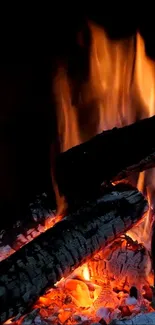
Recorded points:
109,156
25,275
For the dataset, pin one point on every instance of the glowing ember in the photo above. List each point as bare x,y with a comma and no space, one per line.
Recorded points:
105,287
23,239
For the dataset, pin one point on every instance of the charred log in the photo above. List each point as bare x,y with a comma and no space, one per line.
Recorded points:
54,254
109,156
39,213
122,262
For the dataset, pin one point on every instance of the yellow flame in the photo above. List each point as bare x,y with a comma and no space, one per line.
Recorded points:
86,273
140,183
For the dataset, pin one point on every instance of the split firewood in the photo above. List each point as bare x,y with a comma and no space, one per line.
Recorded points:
107,157
26,274
142,319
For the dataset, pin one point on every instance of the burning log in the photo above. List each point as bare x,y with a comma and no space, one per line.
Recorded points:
141,319
39,217
109,156
56,253
124,262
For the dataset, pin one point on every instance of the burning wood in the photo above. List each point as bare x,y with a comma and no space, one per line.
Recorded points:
55,253
109,156
111,283
91,295
124,263
39,218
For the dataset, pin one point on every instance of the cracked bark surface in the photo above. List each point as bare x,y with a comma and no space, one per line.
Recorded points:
26,274
107,157
124,262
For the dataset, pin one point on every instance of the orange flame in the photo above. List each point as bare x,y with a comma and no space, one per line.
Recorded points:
142,232
120,89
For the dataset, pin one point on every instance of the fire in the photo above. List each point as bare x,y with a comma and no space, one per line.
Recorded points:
86,273
99,288
23,239
120,89
142,232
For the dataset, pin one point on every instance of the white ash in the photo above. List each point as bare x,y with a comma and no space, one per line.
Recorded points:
39,321
131,301
141,319
107,314
103,312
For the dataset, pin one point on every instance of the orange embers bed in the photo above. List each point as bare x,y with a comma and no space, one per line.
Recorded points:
113,284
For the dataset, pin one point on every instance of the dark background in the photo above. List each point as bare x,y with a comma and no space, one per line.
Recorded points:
30,49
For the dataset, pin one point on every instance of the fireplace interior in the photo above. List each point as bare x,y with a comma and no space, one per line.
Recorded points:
77,175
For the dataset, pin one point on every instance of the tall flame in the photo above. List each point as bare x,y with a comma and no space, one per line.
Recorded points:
120,89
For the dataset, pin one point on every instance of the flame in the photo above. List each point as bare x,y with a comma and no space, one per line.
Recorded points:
142,232
86,273
50,222
120,88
